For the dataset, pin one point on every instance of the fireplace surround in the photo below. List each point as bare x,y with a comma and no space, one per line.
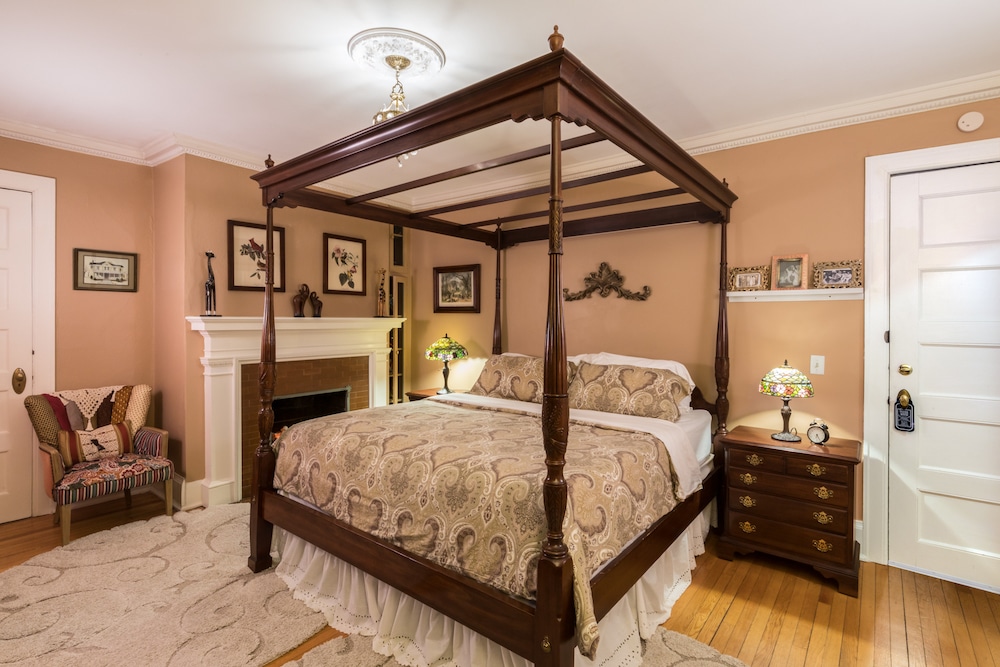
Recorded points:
232,342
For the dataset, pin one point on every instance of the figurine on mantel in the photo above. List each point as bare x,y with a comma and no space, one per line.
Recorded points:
317,304
380,308
299,300
210,288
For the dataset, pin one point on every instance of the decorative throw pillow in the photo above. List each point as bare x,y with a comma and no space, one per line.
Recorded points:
112,440
513,377
628,390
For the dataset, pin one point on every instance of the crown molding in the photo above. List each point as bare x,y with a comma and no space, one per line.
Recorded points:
916,100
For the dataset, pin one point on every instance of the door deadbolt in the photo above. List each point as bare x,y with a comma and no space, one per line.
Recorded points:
18,381
905,369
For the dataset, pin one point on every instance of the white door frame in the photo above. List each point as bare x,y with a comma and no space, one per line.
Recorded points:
879,170
43,294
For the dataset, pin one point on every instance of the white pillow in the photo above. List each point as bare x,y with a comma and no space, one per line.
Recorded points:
607,359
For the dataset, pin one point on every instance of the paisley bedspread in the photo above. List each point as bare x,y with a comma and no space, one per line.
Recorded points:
462,486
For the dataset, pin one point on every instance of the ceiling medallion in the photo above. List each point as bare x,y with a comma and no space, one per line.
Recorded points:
394,50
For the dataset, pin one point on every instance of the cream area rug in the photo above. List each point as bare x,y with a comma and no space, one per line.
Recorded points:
665,649
168,591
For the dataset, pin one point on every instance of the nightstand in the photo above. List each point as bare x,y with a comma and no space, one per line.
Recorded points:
792,499
421,394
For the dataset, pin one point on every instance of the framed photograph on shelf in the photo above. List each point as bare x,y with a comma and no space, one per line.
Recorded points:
745,278
790,272
344,265
248,256
105,270
837,274
456,289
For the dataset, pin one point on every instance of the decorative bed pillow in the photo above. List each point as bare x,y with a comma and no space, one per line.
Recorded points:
111,441
511,376
608,358
628,390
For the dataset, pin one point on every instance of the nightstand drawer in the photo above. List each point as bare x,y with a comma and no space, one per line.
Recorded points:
807,515
835,495
756,460
819,470
812,543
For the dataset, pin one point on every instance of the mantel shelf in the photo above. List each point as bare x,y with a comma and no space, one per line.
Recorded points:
829,294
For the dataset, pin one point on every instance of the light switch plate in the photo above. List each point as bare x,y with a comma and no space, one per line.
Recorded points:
817,364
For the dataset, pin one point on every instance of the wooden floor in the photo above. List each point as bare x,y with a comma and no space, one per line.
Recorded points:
762,610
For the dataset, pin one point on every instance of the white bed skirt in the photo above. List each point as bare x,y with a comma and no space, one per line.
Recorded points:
355,602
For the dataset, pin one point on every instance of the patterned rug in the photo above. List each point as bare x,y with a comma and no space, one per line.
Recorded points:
168,591
665,649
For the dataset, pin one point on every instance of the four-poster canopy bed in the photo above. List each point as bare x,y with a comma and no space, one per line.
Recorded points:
558,88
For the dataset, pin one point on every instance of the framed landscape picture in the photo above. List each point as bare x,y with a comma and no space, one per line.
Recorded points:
344,265
105,270
456,289
248,256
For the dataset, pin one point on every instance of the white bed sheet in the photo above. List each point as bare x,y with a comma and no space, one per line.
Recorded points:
356,602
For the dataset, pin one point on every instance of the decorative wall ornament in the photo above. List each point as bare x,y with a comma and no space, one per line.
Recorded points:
604,281
210,287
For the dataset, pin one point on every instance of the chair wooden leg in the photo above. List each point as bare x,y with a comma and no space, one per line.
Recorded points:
168,493
128,498
64,521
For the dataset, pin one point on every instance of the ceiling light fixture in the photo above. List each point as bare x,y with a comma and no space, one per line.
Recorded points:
396,50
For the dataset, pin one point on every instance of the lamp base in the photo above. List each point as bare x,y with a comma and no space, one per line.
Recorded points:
444,390
786,436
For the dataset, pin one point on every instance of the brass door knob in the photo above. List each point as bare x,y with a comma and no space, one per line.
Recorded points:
905,369
19,380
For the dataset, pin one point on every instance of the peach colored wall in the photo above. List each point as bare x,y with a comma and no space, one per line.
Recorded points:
102,338
802,194
214,193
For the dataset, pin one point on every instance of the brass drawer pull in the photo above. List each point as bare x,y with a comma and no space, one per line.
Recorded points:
823,546
754,460
823,492
747,501
748,479
747,527
823,517
816,470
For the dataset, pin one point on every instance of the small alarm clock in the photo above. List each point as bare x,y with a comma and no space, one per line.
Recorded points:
818,433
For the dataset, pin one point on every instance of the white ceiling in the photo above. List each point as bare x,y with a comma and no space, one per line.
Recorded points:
240,79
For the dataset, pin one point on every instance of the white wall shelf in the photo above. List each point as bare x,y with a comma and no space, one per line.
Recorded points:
828,294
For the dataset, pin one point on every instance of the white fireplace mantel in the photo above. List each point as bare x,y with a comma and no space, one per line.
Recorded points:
231,342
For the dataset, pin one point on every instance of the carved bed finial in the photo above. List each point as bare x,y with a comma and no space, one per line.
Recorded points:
268,162
555,39
604,281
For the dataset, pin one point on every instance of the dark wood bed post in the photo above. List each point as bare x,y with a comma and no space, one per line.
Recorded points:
722,338
497,330
554,615
263,471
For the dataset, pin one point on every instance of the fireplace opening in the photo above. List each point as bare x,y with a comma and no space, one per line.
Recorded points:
295,408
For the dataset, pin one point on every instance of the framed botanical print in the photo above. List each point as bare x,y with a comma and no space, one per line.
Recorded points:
456,289
248,256
344,265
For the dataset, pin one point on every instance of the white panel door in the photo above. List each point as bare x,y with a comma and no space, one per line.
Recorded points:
944,276
16,446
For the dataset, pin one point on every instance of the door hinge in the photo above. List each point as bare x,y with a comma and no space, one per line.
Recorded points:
886,336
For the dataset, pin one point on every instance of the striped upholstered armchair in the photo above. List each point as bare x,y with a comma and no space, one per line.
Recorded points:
98,444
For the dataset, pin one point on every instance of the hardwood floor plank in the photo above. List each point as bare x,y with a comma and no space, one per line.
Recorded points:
974,627
835,631
734,629
926,613
724,604
913,636
897,619
942,619
809,615
789,619
990,619
819,630
761,614
959,628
